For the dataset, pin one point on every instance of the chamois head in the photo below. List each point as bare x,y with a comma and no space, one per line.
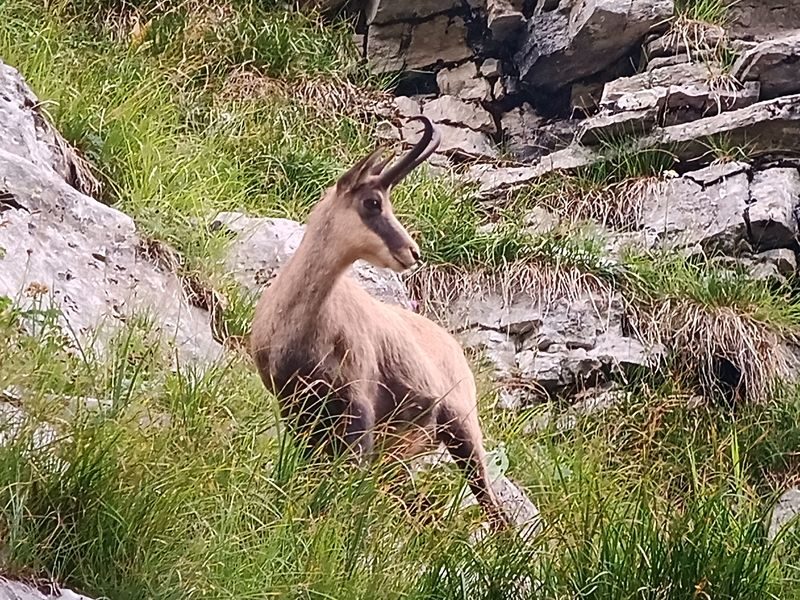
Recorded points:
358,208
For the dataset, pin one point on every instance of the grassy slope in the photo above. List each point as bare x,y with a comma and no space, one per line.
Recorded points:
653,500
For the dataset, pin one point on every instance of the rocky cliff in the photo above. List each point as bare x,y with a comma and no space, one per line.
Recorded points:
523,91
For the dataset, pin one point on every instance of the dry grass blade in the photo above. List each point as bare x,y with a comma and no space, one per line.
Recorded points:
438,287
617,206
323,96
700,337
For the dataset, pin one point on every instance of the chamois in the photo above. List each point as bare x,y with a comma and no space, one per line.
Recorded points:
351,372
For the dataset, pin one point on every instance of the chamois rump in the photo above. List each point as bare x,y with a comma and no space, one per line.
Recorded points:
355,374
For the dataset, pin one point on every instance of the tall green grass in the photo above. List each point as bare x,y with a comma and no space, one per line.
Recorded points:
184,486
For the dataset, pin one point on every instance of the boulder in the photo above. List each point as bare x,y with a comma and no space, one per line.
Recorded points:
704,208
761,128
463,82
549,345
773,209
494,181
458,142
785,512
410,46
760,20
527,136
260,246
651,88
450,110
491,68
670,95
26,132
774,64
505,19
15,590
388,11
608,126
583,38
62,248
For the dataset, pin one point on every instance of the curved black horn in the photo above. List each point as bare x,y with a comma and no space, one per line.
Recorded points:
426,145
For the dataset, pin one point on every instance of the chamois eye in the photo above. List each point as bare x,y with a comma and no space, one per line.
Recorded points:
372,204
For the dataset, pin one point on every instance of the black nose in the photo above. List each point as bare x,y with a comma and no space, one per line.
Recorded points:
415,254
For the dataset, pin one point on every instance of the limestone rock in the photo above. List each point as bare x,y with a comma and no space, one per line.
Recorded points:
608,126
261,246
785,512
407,46
576,41
14,590
585,98
494,346
681,213
772,214
494,181
463,82
459,142
449,110
60,246
773,63
387,11
26,132
505,18
649,89
528,136
667,96
760,20
704,35
550,345
783,259
761,127
491,68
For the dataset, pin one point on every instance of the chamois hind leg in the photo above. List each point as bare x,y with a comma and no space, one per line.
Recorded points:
359,428
460,432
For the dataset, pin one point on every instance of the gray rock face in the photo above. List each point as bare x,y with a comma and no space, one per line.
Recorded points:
761,127
667,96
584,38
774,64
449,110
762,19
14,590
772,214
464,82
60,246
505,18
552,346
704,208
405,46
261,246
25,132
387,11
786,511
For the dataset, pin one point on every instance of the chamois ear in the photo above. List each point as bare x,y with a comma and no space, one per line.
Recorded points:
358,171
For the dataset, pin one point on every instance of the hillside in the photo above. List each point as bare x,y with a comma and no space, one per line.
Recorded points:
610,227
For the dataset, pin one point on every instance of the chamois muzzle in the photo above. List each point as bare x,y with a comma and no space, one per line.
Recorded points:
426,146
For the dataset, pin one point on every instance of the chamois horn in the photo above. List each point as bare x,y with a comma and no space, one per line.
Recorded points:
413,158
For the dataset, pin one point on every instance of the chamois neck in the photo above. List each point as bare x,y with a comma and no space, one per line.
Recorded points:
311,273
